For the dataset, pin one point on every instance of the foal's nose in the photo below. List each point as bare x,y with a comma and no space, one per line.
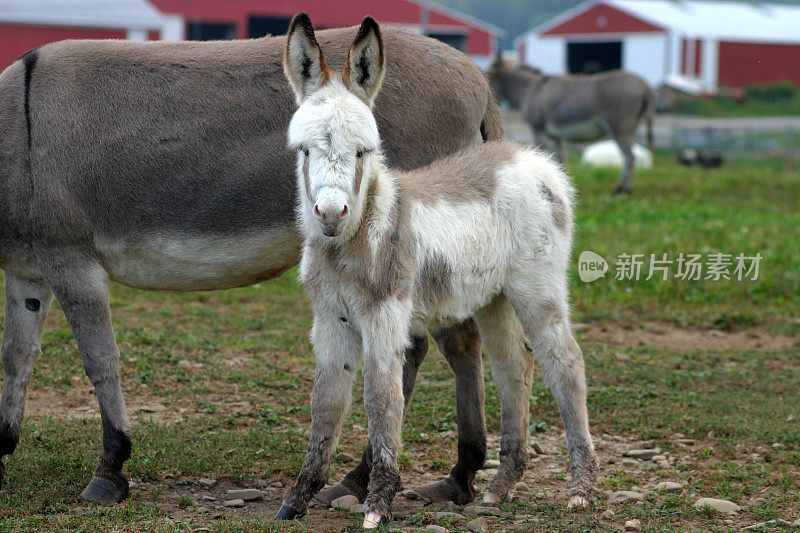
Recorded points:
331,217
330,214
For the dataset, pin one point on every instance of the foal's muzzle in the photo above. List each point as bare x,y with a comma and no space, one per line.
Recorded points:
331,218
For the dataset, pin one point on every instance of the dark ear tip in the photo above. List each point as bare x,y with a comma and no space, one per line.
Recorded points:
368,23
301,19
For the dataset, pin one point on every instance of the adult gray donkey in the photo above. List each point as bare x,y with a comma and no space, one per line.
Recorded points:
163,166
579,108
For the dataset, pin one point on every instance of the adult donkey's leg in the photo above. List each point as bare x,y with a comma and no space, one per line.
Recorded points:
625,183
27,303
81,287
356,481
461,346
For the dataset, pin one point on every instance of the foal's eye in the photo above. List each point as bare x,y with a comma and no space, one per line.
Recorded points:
305,152
360,154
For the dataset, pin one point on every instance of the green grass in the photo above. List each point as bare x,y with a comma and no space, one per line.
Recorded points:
778,99
242,416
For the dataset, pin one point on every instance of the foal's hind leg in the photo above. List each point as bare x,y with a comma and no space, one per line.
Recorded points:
543,313
356,481
81,287
461,346
512,369
27,303
626,178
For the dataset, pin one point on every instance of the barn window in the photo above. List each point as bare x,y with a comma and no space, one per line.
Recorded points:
210,31
258,26
456,40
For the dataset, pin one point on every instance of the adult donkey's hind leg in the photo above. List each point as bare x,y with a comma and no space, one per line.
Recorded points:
512,369
461,346
625,183
81,287
27,303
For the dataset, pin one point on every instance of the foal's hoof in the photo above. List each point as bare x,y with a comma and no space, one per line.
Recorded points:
288,513
578,503
326,496
446,490
106,490
373,520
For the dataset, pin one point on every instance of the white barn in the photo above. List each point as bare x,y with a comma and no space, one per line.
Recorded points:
714,43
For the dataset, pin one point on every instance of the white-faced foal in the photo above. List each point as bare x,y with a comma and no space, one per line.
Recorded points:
485,233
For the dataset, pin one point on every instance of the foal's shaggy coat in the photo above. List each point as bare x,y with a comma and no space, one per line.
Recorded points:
389,255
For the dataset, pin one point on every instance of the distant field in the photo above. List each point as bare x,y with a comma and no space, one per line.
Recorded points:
716,361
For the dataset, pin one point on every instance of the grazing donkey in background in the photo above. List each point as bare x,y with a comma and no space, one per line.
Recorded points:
164,166
579,108
390,255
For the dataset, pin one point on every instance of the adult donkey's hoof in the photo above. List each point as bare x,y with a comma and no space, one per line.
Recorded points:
446,490
373,520
288,513
106,490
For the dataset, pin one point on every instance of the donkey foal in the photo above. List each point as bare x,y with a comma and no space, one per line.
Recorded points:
388,255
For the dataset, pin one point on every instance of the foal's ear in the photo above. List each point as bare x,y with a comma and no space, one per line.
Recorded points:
304,63
363,71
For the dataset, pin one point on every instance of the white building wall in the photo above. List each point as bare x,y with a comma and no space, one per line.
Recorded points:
645,55
548,54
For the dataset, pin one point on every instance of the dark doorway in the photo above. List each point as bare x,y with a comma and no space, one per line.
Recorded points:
261,26
588,58
210,31
456,40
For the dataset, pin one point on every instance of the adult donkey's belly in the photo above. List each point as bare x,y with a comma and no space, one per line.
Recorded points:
200,262
580,131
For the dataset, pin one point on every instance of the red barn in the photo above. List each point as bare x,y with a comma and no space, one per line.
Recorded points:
714,43
25,24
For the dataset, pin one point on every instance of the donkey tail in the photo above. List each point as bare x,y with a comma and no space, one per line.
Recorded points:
492,123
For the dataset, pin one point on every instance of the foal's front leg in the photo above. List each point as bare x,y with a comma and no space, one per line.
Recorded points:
338,350
385,336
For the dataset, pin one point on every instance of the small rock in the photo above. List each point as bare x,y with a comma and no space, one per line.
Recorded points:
482,510
238,502
448,514
276,485
436,529
207,483
245,494
608,514
478,525
185,364
622,496
538,448
686,442
448,434
669,486
202,509
790,418
629,462
491,463
658,458
723,506
209,498
357,508
132,485
756,502
633,525
344,503
522,488
778,446
643,454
